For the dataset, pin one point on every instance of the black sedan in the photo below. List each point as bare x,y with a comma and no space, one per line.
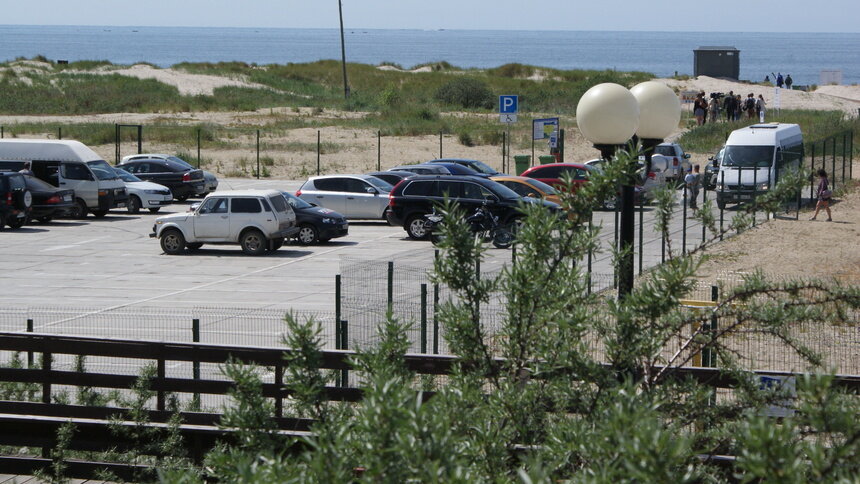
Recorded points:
48,200
316,224
182,181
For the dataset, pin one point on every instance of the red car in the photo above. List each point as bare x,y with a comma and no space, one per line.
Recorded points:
553,173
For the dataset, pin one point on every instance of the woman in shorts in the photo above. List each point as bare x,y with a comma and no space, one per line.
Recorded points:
824,194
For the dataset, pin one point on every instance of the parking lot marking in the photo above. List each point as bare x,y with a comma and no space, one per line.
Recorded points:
77,244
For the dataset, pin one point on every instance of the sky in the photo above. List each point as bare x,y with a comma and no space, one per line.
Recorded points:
653,15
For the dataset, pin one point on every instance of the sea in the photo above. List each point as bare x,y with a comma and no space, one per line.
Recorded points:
803,55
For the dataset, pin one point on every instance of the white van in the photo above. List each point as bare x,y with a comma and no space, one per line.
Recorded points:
754,158
70,165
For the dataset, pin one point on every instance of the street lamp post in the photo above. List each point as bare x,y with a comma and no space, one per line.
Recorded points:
608,116
343,51
659,115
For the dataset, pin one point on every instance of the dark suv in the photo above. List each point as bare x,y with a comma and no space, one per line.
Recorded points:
182,180
416,196
15,200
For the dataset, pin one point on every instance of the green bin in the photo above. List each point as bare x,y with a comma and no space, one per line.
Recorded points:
522,163
546,159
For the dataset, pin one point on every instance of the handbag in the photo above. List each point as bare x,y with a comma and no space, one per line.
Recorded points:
825,194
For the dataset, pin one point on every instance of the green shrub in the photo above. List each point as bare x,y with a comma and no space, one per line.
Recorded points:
513,70
465,138
466,92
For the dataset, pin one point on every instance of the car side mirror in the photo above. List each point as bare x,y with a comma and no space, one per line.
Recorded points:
371,190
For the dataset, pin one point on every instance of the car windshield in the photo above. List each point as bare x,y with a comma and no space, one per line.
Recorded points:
541,186
182,162
126,176
748,156
379,183
482,167
295,201
505,192
102,170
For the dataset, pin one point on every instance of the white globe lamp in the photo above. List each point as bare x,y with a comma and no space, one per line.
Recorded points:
607,114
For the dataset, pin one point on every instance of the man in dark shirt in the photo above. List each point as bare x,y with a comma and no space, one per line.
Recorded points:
730,105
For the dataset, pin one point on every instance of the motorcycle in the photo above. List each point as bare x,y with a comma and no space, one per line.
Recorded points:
482,224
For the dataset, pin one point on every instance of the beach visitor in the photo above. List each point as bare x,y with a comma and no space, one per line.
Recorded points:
766,78
738,107
779,80
705,108
824,194
729,105
788,81
749,106
699,110
714,107
693,181
26,170
760,108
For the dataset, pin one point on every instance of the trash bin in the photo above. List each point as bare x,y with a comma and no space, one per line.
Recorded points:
522,163
546,159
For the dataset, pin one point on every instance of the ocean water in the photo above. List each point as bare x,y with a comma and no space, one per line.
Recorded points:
803,55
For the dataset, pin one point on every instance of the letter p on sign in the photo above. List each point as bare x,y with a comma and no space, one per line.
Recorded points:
508,104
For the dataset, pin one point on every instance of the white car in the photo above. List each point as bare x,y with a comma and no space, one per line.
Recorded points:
210,179
355,196
258,220
670,157
655,180
143,194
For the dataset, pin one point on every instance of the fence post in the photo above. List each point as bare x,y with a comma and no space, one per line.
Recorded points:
504,147
435,319
195,337
198,148
440,144
812,172
344,345
279,384
755,194
258,154
708,356
424,318
684,225
29,353
641,231
390,286
590,256
723,192
844,139
139,138
378,150
160,400
60,132
704,204
47,359
833,163
2,132
318,152
116,140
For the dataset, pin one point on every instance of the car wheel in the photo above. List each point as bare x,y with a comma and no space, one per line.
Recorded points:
16,223
172,242
99,213
133,204
182,198
308,234
253,242
154,209
79,210
415,227
45,219
194,245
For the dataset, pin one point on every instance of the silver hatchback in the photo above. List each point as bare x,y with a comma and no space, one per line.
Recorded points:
355,196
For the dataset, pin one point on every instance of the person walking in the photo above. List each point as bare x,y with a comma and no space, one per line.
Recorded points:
760,108
788,81
714,107
699,109
738,107
694,182
824,195
729,105
779,80
749,106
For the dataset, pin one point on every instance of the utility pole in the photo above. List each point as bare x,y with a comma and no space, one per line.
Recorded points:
343,51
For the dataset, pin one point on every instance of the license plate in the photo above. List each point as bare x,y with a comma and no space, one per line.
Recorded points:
344,226
67,198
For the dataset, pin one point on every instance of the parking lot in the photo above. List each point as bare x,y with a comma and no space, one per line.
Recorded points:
112,263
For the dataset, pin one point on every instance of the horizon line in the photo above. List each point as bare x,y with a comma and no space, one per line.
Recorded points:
440,29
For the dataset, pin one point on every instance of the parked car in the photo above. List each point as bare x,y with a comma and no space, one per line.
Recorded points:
257,220
475,165
422,169
677,163
553,173
210,178
316,224
392,177
459,169
15,200
417,196
68,164
182,181
528,187
355,196
48,201
655,180
712,170
142,194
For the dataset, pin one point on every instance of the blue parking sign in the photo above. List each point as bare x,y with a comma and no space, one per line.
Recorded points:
508,104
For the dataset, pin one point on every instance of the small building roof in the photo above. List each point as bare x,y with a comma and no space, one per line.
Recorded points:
717,47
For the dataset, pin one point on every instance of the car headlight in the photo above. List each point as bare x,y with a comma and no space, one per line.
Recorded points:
328,220
152,192
720,186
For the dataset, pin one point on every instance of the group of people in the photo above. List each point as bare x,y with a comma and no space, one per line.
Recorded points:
732,105
780,81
